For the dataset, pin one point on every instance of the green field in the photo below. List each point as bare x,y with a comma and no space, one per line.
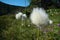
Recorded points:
12,29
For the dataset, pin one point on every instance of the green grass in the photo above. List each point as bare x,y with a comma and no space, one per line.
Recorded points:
12,29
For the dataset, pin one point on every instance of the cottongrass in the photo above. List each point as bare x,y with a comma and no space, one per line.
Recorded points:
11,29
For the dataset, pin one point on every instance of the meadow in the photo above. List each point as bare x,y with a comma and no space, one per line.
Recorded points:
12,29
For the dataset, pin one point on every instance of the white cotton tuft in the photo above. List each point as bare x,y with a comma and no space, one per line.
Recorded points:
18,16
24,16
50,22
39,17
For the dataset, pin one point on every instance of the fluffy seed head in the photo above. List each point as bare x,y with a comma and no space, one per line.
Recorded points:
39,16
